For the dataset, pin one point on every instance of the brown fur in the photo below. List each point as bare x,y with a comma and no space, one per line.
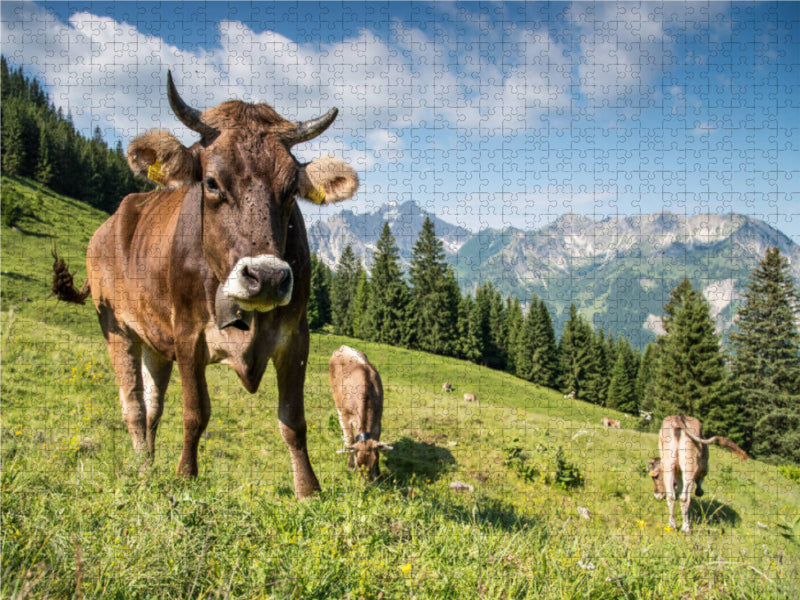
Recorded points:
683,463
358,395
157,265
469,397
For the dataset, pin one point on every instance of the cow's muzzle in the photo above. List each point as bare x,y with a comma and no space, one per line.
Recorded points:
260,283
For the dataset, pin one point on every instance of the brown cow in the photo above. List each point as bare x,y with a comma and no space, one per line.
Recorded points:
615,423
358,395
447,387
470,397
213,269
684,463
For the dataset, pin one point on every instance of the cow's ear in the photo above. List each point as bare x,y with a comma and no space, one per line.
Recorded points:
159,156
327,180
383,447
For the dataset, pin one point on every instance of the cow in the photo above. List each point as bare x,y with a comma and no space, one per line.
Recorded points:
447,387
213,268
470,397
683,463
358,396
614,423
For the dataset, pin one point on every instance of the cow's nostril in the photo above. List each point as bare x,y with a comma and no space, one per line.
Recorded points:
285,285
247,274
252,280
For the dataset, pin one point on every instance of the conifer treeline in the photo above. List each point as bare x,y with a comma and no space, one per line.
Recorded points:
429,313
749,391
39,142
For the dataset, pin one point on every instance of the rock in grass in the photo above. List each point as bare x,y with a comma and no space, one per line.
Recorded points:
460,486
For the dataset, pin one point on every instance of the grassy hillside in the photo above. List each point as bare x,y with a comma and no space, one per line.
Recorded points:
78,520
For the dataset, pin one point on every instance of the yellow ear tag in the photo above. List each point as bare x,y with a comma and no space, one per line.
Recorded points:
317,195
155,173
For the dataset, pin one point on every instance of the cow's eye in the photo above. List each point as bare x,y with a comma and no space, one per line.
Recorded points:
212,185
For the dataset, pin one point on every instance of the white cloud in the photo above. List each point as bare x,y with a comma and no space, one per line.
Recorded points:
622,46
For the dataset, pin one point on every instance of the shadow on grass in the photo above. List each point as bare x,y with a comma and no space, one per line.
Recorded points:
487,511
711,512
412,460
31,233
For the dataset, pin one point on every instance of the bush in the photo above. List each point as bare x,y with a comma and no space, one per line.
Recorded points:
12,207
791,472
550,467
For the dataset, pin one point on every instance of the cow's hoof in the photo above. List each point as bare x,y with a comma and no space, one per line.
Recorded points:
312,494
187,471
699,492
686,529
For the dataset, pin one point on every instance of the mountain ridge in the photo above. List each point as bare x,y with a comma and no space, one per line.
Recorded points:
618,270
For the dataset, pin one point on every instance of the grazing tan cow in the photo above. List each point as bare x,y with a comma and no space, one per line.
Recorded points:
470,397
447,387
683,463
614,423
212,269
358,395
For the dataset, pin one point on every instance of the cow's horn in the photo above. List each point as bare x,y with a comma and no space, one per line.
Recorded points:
186,114
308,130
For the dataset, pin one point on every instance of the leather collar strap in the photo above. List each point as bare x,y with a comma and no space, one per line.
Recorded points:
363,437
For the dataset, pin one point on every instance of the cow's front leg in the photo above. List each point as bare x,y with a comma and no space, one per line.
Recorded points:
126,358
290,366
155,378
196,411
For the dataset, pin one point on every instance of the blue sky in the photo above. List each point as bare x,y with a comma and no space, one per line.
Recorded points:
488,114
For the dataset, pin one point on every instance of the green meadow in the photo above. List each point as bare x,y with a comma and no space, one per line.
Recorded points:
79,520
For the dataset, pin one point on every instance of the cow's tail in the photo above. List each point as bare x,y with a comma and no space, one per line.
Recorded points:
64,284
722,441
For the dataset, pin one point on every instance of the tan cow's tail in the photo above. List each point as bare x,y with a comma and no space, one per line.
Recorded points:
64,285
722,441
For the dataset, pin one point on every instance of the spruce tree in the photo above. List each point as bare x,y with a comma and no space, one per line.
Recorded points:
319,304
498,331
545,354
343,291
598,370
434,309
389,298
362,326
467,343
766,361
13,145
691,377
514,324
44,168
621,389
575,353
644,377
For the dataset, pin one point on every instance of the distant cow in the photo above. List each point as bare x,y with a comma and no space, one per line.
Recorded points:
469,397
447,387
570,396
614,423
683,463
214,268
358,395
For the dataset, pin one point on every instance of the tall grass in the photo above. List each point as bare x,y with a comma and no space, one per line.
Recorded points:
79,520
